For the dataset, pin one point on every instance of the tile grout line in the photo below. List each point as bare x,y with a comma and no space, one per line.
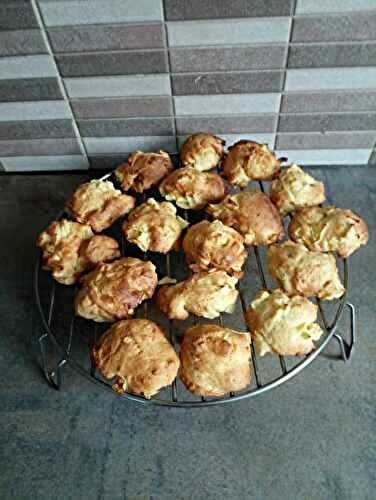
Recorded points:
60,80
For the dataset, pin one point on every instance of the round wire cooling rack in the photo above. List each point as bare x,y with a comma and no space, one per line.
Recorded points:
68,340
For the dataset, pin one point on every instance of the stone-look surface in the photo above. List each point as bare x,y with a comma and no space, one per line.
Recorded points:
310,438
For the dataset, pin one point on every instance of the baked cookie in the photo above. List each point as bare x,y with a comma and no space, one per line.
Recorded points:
329,229
70,249
202,151
294,189
247,161
212,245
282,324
191,189
154,226
137,353
252,214
215,360
304,272
99,204
205,294
113,291
143,170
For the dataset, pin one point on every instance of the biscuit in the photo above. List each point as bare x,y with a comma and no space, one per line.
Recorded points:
215,360
137,352
281,324
202,151
99,204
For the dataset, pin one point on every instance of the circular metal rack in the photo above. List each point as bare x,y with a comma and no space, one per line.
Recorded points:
67,340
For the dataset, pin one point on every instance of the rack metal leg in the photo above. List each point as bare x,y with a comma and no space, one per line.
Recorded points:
347,348
53,377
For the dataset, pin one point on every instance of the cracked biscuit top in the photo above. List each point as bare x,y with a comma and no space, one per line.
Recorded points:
202,151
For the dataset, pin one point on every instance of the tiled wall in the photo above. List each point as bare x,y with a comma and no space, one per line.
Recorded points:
84,82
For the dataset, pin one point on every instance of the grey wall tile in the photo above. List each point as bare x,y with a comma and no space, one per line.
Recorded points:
27,67
109,162
324,55
40,147
322,6
21,42
40,110
227,83
330,79
227,104
344,140
263,30
15,15
115,145
127,107
327,122
355,26
326,156
35,129
118,86
42,163
2,168
226,124
330,101
130,127
113,63
107,37
372,158
211,9
230,139
29,89
190,60
61,13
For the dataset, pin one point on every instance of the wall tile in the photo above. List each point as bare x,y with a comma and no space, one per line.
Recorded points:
232,138
227,104
29,89
227,83
21,42
324,55
39,147
372,158
107,37
265,30
128,107
322,6
330,78
114,145
326,102
40,110
132,127
327,122
41,163
15,15
118,86
109,162
345,140
326,156
35,129
71,12
27,67
226,124
227,58
113,63
353,27
211,9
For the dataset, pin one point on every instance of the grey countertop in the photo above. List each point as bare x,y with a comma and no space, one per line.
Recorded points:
312,438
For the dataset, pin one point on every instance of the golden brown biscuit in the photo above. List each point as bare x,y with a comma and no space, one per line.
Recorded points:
294,189
99,204
70,249
205,294
329,229
300,271
282,324
202,151
252,214
143,170
215,360
113,291
154,226
191,189
137,352
247,161
212,245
